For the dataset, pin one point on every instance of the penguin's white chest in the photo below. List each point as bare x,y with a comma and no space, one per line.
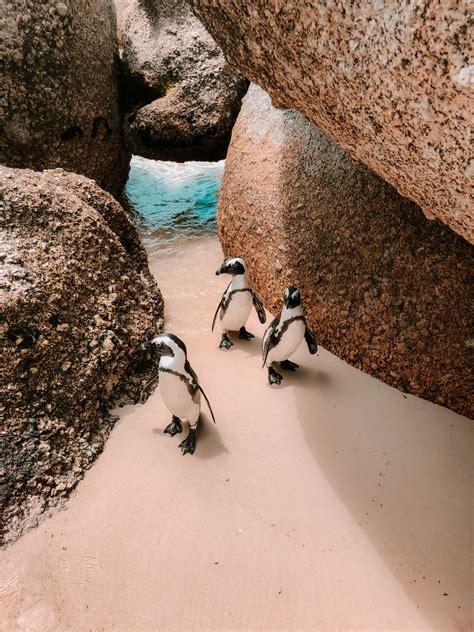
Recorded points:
289,342
177,398
238,311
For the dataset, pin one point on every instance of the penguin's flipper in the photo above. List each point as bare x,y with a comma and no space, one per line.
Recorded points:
217,311
310,340
208,403
192,373
270,338
262,317
221,305
146,390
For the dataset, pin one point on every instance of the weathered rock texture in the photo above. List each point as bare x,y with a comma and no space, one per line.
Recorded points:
59,99
389,81
121,7
78,299
384,288
182,96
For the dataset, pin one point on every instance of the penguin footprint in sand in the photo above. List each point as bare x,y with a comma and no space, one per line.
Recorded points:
179,387
284,335
236,303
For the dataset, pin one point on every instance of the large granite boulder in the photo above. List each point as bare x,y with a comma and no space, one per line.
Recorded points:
182,97
59,94
78,299
383,287
389,81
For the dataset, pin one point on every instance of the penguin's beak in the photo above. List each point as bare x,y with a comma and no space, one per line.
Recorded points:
221,270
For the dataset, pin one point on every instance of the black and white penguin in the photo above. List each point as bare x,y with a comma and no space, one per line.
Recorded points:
179,387
236,302
284,335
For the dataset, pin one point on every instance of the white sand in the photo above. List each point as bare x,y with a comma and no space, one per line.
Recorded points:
331,503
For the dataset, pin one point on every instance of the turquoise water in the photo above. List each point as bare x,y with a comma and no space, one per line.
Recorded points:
173,200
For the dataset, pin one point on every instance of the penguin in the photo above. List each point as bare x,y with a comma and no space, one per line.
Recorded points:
179,387
236,303
284,335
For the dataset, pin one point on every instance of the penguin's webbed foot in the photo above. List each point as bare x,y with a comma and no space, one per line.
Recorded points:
288,365
226,342
189,444
174,427
244,334
273,376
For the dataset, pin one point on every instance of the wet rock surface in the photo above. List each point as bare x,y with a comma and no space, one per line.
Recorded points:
182,97
384,288
390,82
78,301
59,94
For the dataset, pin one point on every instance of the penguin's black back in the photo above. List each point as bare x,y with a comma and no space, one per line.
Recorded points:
179,342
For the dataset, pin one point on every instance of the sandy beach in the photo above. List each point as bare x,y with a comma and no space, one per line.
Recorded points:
333,502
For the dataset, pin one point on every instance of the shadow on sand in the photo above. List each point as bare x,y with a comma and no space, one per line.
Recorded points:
251,348
402,466
208,444
311,378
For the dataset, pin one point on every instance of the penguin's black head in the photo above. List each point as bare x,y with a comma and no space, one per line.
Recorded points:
234,266
292,297
165,345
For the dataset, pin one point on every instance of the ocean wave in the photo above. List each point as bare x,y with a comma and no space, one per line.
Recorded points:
173,200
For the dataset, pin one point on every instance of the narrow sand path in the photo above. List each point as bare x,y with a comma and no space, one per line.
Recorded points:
331,503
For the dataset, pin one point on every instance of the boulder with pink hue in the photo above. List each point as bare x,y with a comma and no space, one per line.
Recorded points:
391,82
383,287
